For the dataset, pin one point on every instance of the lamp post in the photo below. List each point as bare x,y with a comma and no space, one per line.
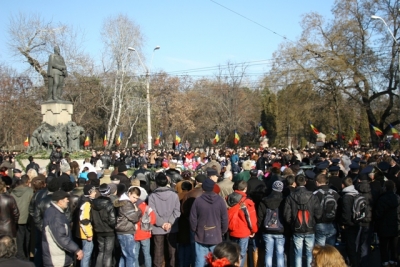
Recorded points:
391,33
149,141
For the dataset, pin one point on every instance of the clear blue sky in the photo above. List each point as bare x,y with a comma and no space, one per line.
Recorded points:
192,33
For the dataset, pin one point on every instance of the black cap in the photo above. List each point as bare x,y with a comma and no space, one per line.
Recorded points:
354,166
367,169
122,168
211,172
200,178
310,174
356,159
58,195
88,189
334,168
17,171
335,161
323,165
383,166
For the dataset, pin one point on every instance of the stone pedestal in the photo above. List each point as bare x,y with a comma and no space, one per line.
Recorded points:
56,112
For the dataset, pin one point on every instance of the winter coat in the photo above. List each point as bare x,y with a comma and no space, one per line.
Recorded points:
123,179
321,196
345,205
209,218
273,201
256,190
141,234
387,214
57,244
128,216
364,189
83,221
242,176
239,226
106,160
103,216
9,215
22,195
261,163
165,203
226,187
301,196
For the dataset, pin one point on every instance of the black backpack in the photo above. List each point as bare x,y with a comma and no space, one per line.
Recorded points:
272,221
328,204
302,220
360,209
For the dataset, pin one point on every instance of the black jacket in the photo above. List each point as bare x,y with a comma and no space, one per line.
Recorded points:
256,190
320,197
106,160
301,196
9,215
32,165
55,156
260,164
127,216
364,189
40,209
123,179
273,201
387,214
103,216
174,175
345,206
335,183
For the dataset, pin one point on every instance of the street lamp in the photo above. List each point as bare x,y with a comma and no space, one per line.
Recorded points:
149,142
391,33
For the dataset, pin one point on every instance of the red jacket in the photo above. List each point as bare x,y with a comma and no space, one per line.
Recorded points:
140,234
238,225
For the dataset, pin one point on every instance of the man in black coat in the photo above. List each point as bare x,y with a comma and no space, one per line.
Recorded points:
8,250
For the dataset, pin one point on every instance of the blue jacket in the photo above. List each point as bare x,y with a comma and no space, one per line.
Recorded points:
57,244
209,218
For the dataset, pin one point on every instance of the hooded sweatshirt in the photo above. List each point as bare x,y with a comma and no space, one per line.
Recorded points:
165,203
209,218
22,195
272,202
346,205
388,215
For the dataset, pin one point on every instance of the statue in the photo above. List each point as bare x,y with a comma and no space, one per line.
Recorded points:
73,133
57,71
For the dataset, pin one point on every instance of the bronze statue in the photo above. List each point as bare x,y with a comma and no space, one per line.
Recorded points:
57,71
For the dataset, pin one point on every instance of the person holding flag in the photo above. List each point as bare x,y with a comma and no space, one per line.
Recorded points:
263,132
157,140
216,138
236,138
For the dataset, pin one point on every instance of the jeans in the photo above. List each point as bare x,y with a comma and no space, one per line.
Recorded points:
243,243
106,247
201,252
298,240
193,248
23,238
325,233
87,248
127,243
38,260
364,239
145,245
277,241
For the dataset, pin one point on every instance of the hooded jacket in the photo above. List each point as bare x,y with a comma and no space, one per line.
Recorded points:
240,226
165,203
302,197
364,189
103,216
209,218
22,195
387,214
128,216
273,201
141,234
345,205
321,196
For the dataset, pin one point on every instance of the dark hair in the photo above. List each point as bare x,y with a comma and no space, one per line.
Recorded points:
300,180
321,178
186,186
290,179
37,184
120,189
161,179
8,247
81,181
228,250
23,181
240,185
30,158
67,186
390,186
135,190
53,185
347,181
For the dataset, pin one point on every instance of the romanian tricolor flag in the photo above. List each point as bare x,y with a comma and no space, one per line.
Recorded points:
356,136
26,142
119,138
378,131
263,132
395,133
87,141
105,141
236,139
177,138
157,141
216,138
315,130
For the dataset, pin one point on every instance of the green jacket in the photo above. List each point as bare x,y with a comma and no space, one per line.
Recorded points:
244,175
22,195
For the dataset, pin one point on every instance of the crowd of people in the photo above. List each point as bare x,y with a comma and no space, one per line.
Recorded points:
212,207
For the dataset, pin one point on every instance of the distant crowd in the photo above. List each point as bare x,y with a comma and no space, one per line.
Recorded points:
194,207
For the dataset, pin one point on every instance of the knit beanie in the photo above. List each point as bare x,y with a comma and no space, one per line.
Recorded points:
277,186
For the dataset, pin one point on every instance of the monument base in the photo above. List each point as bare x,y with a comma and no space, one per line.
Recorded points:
57,112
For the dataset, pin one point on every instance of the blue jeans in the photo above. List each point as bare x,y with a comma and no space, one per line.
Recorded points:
145,244
201,252
277,241
127,243
298,240
243,243
87,248
325,233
